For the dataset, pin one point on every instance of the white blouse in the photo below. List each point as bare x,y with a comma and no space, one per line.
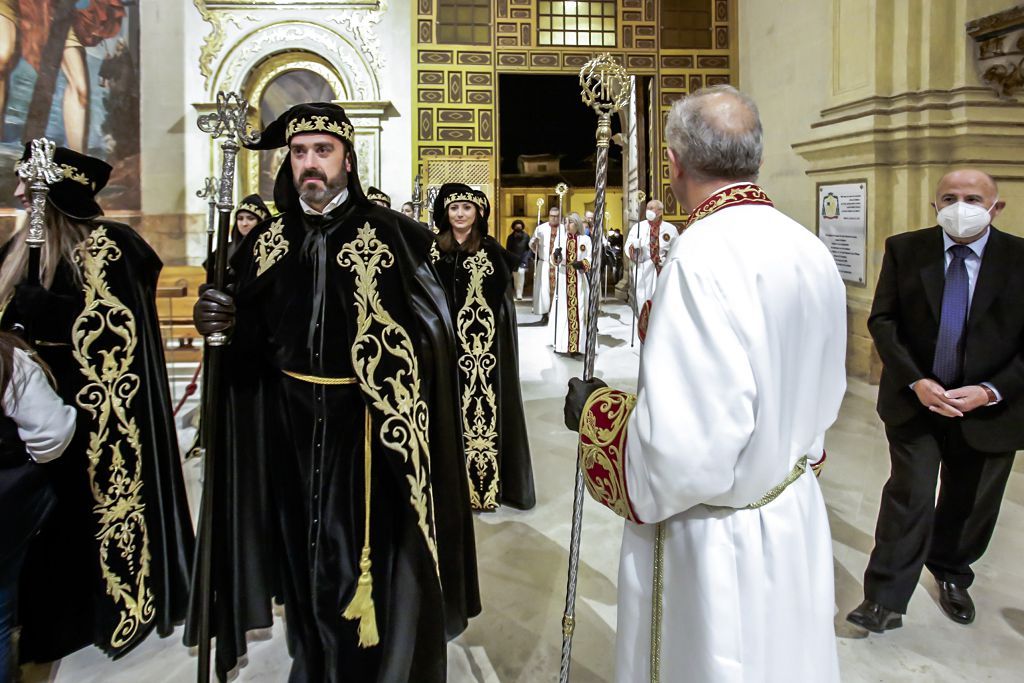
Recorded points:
45,423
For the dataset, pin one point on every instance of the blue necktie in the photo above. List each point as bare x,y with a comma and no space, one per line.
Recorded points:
948,364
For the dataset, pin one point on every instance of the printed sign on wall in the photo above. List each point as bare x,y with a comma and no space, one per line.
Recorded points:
843,226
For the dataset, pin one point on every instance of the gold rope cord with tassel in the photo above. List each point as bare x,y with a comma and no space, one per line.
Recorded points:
361,608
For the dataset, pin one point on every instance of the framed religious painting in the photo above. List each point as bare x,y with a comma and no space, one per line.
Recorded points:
84,95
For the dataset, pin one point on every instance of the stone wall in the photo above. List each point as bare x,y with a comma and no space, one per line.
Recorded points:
883,90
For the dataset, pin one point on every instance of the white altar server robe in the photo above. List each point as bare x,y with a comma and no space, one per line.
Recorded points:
541,245
567,324
741,374
645,269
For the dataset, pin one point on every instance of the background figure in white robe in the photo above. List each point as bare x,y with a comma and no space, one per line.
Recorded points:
543,245
741,374
567,324
647,247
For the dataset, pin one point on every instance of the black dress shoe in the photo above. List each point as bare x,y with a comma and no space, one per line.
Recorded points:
956,602
874,617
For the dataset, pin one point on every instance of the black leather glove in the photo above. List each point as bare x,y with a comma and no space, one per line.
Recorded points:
578,265
46,316
557,256
214,311
579,394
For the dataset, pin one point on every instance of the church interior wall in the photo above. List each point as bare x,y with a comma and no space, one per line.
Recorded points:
887,91
165,223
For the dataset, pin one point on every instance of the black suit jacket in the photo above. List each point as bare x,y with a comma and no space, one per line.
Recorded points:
904,324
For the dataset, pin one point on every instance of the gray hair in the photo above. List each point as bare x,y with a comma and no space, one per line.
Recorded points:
715,133
575,219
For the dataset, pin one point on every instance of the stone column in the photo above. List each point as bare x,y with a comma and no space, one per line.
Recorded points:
903,105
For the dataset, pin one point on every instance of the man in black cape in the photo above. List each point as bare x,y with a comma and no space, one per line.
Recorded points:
341,487
113,560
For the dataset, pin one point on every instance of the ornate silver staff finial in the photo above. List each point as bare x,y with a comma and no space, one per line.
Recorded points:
561,189
606,89
209,193
38,173
229,122
209,188
605,86
640,197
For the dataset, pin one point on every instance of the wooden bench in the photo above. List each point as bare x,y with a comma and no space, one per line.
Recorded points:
176,294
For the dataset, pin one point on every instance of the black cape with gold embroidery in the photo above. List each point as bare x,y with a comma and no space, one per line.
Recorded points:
350,297
479,293
113,561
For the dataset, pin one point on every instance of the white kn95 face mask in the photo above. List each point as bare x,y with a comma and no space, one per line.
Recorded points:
963,220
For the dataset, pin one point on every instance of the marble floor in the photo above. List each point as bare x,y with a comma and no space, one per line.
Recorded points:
523,559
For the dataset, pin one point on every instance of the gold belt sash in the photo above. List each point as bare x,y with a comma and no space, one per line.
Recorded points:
314,379
361,608
774,492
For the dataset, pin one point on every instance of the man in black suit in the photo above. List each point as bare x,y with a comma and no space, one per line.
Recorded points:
948,322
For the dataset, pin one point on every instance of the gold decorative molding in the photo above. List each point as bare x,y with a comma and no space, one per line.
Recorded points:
363,26
212,43
999,50
344,58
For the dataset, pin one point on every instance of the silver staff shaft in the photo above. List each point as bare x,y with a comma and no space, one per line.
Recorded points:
417,196
38,172
605,89
228,122
209,193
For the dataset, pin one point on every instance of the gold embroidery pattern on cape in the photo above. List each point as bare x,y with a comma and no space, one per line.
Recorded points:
475,326
602,444
295,126
270,247
405,427
435,255
572,311
104,340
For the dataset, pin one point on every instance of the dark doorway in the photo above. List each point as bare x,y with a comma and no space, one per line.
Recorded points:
543,114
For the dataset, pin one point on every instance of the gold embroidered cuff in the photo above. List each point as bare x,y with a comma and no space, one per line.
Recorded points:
603,449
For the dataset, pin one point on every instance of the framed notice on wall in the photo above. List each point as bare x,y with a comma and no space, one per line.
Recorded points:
843,226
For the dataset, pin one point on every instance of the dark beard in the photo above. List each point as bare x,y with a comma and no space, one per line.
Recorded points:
320,196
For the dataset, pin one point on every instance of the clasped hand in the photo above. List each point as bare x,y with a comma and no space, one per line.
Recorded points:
214,311
952,402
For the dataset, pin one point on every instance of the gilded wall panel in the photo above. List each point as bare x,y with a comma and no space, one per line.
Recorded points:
469,74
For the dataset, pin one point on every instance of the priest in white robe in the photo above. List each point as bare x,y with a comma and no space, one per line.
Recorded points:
726,570
542,244
647,246
567,324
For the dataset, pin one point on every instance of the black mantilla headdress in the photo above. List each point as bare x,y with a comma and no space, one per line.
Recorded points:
254,204
484,203
309,118
375,195
457,192
84,176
